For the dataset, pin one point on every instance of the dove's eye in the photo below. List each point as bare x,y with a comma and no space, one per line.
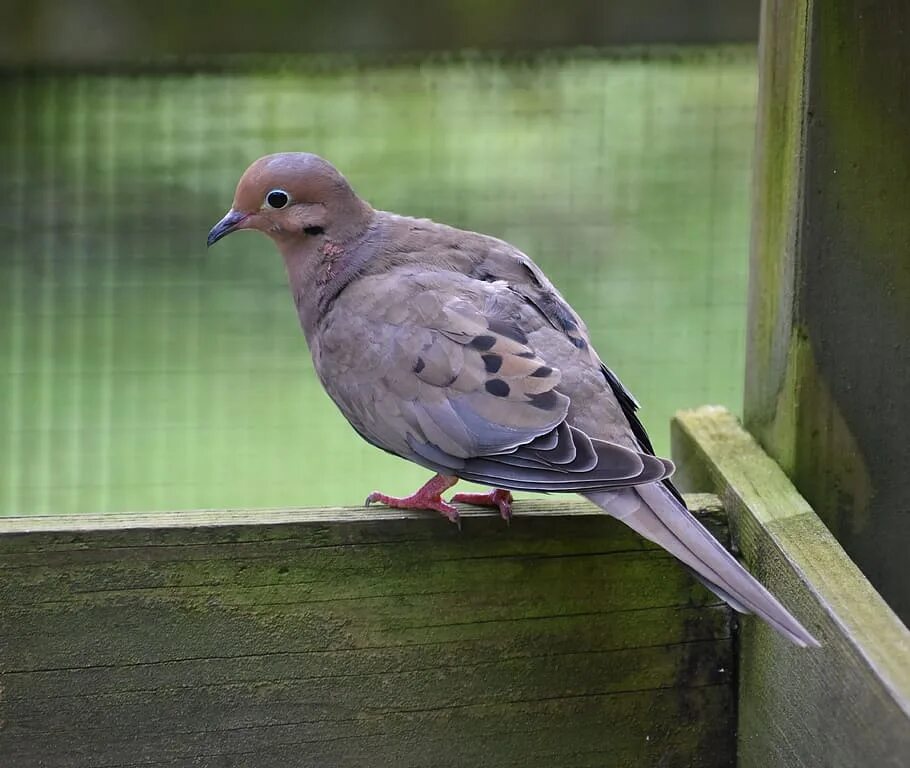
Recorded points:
277,198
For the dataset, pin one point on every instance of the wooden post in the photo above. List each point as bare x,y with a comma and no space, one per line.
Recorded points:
827,389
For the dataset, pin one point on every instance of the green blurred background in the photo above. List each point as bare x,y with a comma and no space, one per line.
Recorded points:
141,372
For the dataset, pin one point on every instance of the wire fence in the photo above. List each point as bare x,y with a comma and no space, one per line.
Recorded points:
141,372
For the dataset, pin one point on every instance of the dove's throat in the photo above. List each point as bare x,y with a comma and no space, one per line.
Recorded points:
319,270
301,264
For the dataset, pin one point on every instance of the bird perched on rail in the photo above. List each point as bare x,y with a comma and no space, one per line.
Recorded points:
453,350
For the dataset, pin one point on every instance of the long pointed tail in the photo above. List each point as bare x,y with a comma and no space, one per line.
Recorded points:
652,511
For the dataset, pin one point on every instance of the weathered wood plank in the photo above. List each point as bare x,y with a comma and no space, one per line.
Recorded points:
845,704
828,358
347,637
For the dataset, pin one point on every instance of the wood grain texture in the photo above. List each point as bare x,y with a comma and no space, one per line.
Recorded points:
828,358
845,704
357,638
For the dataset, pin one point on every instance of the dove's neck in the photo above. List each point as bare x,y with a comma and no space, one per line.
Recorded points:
319,269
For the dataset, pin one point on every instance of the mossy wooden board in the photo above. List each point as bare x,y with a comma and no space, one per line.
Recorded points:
846,704
354,637
828,358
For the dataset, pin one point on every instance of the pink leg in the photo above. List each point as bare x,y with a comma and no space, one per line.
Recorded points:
498,498
428,497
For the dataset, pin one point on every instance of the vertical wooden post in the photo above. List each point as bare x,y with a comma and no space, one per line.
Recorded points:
827,389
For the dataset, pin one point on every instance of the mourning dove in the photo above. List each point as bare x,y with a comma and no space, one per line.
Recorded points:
453,350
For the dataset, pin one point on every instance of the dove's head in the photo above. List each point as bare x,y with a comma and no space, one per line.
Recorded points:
296,199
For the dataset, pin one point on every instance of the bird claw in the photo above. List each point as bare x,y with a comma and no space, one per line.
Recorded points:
424,499
430,497
500,499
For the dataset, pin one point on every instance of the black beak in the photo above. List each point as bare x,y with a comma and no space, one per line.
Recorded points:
224,227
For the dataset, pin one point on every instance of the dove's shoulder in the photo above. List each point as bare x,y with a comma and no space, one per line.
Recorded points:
434,246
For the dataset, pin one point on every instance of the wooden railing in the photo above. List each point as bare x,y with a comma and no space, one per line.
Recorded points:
358,637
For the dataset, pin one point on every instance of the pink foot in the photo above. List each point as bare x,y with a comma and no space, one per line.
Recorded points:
499,498
428,497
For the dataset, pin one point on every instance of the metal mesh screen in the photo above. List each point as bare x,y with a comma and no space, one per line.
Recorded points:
140,372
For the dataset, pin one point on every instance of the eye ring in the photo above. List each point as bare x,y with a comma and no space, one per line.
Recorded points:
277,199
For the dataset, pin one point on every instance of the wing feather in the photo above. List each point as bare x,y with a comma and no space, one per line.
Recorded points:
461,390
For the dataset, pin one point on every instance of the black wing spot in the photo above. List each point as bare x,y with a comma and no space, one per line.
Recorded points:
508,330
526,355
419,365
579,342
497,387
546,401
542,372
492,362
482,343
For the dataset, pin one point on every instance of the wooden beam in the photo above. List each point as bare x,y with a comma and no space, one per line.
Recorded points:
845,704
357,637
828,352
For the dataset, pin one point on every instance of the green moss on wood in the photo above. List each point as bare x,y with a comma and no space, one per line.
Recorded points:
845,704
776,211
828,358
348,638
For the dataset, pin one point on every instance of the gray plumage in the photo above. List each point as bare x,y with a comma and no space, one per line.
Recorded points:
453,350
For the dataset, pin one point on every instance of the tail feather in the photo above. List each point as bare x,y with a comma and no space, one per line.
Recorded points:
652,511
